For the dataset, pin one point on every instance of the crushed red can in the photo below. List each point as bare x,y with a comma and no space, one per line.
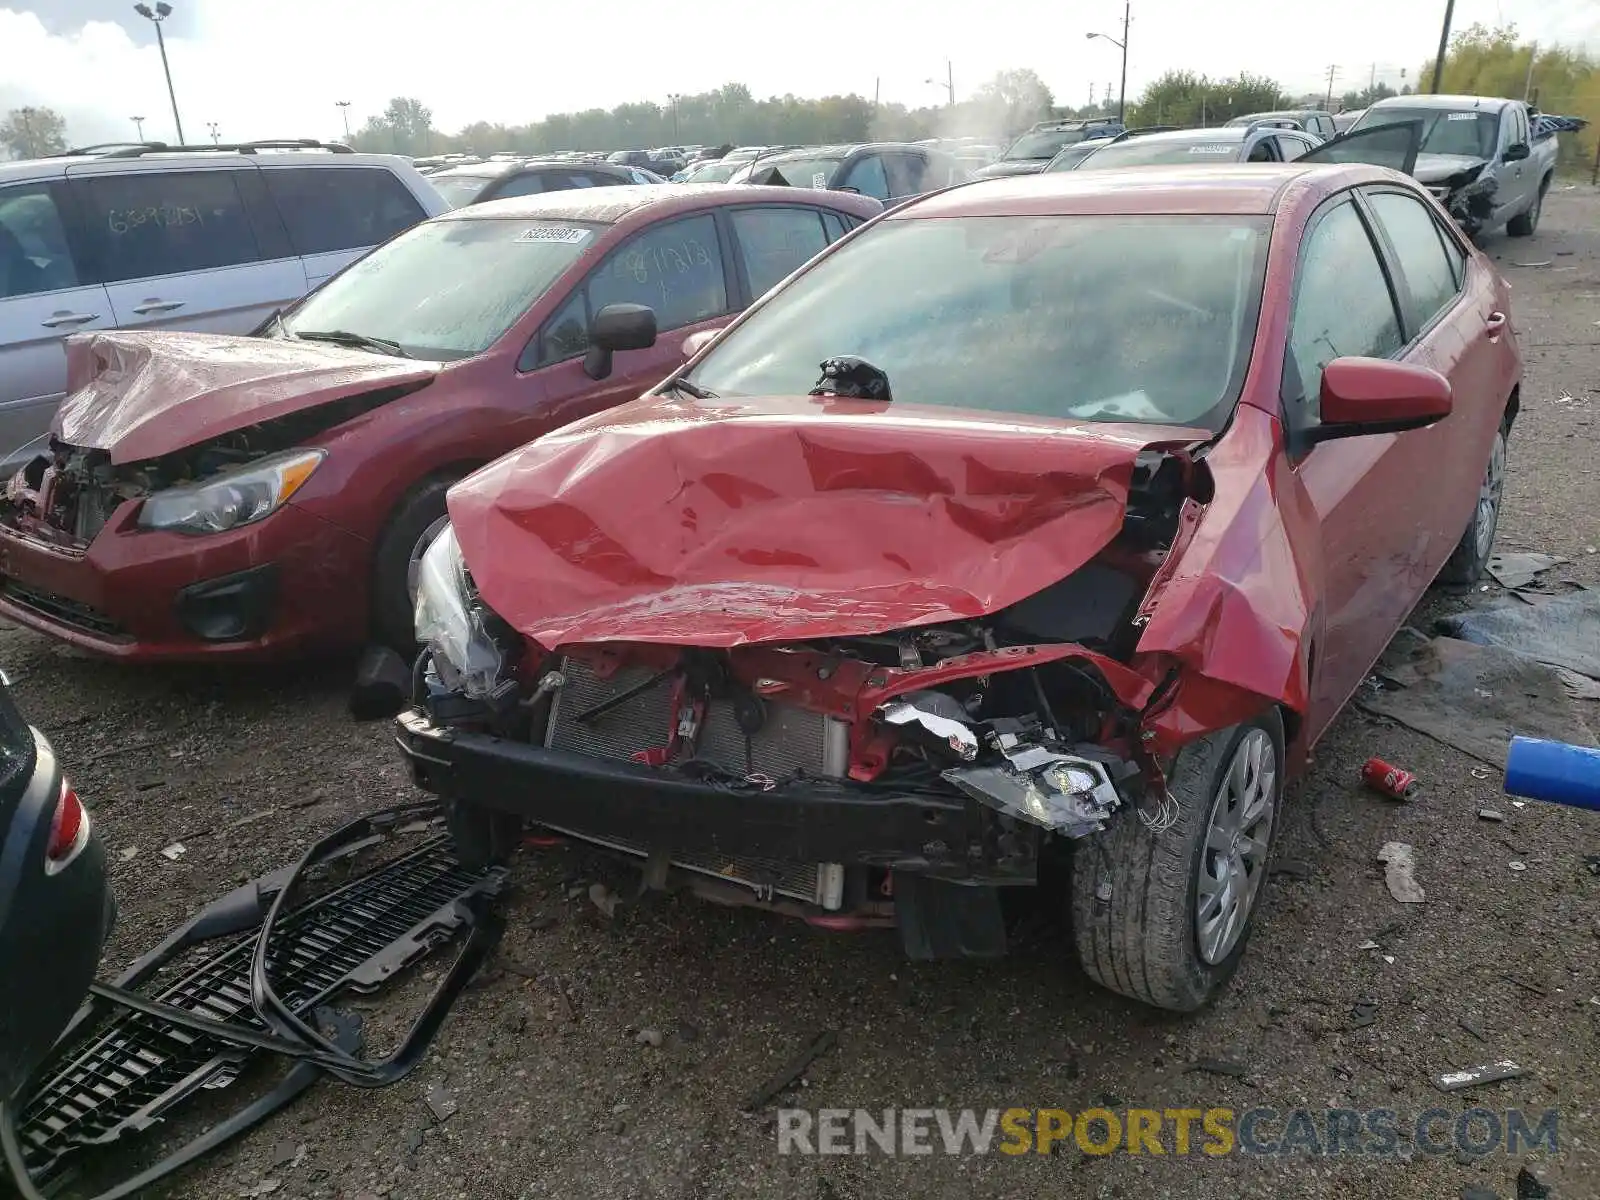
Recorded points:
1392,781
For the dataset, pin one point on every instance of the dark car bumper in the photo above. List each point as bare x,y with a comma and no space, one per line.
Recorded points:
289,583
52,926
808,821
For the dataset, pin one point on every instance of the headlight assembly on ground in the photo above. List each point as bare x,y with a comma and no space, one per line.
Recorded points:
448,623
232,498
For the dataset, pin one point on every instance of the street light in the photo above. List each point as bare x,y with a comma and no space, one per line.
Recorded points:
344,110
948,83
1122,92
138,127
161,12
674,97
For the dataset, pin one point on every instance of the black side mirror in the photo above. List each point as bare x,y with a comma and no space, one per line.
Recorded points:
1518,152
618,327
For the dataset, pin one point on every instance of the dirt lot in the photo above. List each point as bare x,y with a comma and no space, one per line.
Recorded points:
559,1100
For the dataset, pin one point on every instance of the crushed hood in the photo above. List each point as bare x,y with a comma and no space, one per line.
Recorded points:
1440,168
142,395
721,522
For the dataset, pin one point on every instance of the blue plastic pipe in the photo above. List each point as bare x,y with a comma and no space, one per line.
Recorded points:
1553,771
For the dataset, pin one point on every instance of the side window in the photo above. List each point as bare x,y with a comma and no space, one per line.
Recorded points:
868,178
906,172
34,253
1421,255
1452,252
1342,306
833,225
1291,147
565,335
152,223
528,183
675,268
775,241
340,208
1262,151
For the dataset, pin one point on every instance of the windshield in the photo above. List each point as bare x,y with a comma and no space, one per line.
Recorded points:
460,190
1071,156
445,289
1470,133
1160,151
1111,318
1043,145
798,172
715,172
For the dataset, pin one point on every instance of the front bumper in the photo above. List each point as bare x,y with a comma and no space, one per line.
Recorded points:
285,584
813,820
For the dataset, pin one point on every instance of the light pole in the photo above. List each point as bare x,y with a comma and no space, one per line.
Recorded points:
1122,91
949,83
673,98
160,13
138,127
344,110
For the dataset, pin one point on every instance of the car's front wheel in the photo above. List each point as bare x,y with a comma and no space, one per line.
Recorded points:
1163,904
420,518
1470,558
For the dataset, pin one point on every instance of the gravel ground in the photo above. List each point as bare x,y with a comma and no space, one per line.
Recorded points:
559,1093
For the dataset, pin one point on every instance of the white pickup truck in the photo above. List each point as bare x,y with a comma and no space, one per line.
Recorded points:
1480,155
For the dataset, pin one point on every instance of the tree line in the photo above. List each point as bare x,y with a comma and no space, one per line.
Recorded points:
1481,61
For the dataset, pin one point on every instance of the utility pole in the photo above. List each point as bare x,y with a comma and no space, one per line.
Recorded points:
1444,44
1527,85
673,98
1122,94
1328,102
949,84
138,127
877,87
344,110
162,11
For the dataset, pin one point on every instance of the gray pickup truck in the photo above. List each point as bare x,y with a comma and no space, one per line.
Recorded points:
1480,155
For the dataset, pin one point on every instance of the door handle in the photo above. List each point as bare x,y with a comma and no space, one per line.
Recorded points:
1495,325
59,319
146,307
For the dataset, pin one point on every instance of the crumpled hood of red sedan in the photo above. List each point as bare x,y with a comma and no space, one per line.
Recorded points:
142,395
723,522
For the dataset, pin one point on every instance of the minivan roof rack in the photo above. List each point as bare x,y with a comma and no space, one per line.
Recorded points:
140,149
1138,130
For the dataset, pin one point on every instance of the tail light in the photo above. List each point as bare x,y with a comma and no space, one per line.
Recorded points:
69,831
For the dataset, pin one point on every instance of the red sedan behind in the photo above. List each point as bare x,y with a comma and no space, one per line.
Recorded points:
254,497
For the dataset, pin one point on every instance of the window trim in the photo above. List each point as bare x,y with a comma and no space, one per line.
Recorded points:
1291,423
535,343
1388,249
80,245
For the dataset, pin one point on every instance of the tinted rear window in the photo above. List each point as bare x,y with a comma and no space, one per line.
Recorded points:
341,208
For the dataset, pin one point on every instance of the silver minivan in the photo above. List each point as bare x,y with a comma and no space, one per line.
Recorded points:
199,238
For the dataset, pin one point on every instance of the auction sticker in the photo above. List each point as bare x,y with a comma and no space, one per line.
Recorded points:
570,234
820,181
1212,148
1472,116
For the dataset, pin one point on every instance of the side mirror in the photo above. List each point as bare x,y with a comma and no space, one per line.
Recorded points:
618,327
1376,395
1518,152
697,342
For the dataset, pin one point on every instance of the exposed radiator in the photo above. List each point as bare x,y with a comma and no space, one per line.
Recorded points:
790,740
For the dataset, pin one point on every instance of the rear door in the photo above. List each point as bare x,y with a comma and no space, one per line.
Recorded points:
46,292
772,241
197,247
334,214
679,268
1393,146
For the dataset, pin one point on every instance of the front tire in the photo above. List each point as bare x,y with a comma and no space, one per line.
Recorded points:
418,519
1164,917
1470,559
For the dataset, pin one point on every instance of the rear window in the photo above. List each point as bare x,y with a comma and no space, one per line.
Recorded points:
460,190
799,172
1043,145
341,208
447,289
1112,318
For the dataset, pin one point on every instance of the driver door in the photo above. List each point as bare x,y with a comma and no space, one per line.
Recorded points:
1394,146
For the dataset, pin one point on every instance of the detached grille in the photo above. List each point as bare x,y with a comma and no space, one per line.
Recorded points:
64,610
791,740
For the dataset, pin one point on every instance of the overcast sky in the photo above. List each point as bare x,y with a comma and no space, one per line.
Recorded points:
274,68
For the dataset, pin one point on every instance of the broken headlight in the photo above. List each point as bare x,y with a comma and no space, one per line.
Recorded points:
231,498
451,623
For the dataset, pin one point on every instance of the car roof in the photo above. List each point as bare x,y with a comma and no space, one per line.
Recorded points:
171,160
1217,133
508,166
614,205
1213,189
1487,103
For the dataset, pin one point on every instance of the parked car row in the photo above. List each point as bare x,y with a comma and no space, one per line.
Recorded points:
956,541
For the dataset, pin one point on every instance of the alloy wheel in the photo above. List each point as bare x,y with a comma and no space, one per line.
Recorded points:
1233,861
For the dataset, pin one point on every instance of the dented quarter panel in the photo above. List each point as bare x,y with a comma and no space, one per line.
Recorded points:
143,395
720,523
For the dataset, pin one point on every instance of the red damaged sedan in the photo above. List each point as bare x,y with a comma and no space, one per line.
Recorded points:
257,497
1043,524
